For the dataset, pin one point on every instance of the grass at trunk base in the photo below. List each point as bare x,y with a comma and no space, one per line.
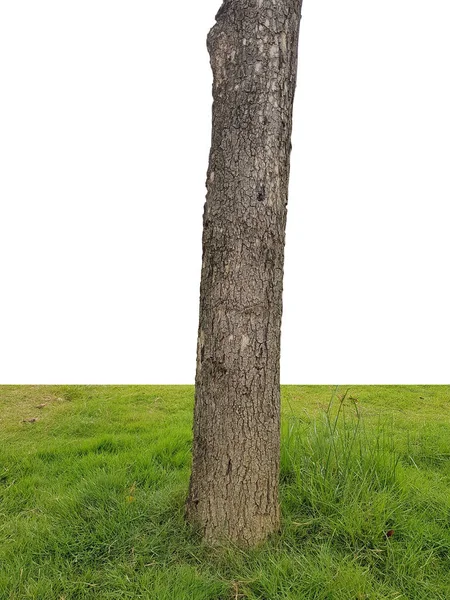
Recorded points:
92,497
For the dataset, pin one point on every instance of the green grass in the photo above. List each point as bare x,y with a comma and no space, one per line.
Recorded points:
92,493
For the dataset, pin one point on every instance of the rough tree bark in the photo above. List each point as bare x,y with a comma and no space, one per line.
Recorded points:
233,491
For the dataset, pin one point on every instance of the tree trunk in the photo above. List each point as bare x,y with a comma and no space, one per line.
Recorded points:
233,491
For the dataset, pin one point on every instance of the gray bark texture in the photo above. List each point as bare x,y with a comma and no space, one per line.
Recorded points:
233,493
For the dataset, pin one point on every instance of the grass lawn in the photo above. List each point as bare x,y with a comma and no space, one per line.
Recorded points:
92,493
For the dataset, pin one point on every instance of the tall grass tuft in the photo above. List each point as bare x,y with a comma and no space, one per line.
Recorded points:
339,476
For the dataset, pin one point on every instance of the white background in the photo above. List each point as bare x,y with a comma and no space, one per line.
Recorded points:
105,113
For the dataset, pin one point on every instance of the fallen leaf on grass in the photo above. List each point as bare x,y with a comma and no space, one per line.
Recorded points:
33,420
41,405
